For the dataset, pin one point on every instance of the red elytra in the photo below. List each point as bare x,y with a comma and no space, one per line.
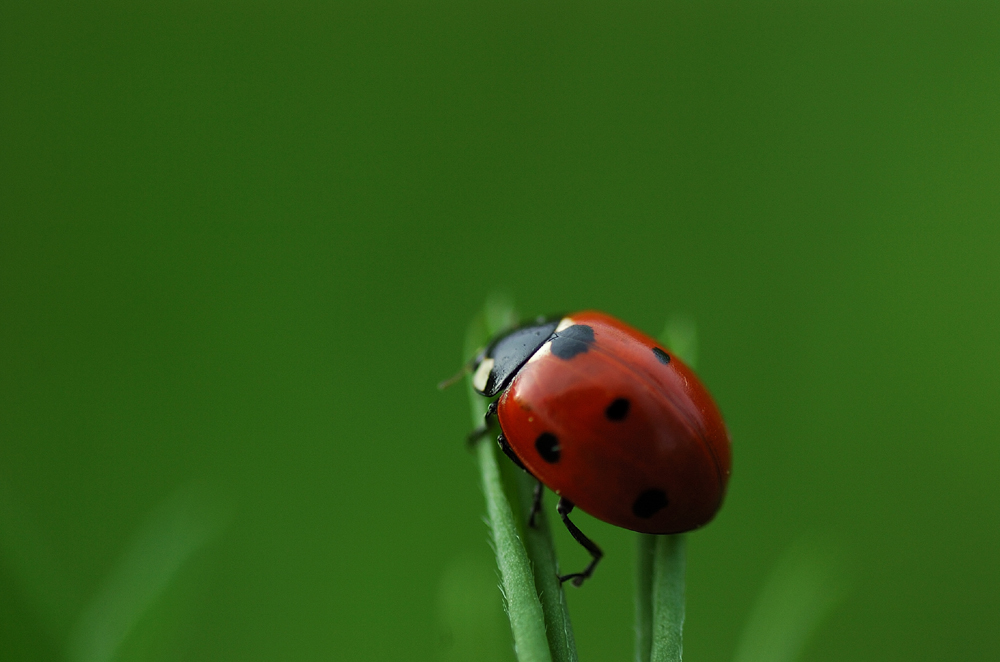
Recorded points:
610,420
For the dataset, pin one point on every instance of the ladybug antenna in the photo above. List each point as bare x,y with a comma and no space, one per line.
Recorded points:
466,369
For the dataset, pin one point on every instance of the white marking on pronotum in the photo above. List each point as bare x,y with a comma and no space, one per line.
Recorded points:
542,351
482,374
546,349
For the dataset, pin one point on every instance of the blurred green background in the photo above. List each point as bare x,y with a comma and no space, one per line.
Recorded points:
240,242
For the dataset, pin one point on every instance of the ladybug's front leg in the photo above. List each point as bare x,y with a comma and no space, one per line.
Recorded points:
564,508
484,429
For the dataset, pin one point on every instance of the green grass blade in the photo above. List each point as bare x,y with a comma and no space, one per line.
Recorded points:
527,621
668,599
517,582
660,560
645,550
541,551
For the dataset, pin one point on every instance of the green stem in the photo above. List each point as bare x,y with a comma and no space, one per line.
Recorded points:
660,559
668,599
541,551
645,550
527,621
529,616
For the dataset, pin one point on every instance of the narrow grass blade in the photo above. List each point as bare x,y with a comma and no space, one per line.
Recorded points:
541,552
645,550
517,582
660,560
668,599
527,619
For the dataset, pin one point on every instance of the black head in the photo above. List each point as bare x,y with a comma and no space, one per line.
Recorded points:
495,366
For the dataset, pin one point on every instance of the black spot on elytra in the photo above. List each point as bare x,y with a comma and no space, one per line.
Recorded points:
649,503
663,356
617,410
572,340
547,446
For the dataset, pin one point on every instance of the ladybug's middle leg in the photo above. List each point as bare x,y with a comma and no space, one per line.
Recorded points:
509,452
536,503
564,508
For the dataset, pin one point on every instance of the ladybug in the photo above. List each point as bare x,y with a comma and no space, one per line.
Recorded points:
608,419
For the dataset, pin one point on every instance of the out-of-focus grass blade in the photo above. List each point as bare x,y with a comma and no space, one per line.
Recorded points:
680,335
802,589
185,523
33,565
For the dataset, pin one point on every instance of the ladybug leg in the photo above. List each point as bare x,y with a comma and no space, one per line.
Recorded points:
536,504
564,508
484,429
509,452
